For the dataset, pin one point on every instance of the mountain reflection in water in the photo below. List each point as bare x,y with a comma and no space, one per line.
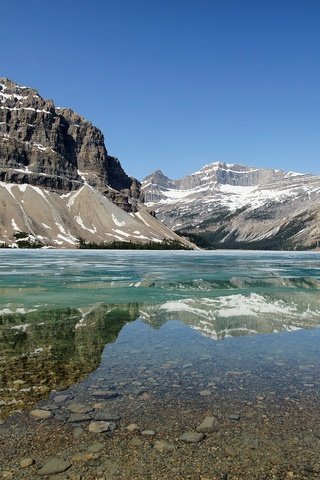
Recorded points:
239,314
51,349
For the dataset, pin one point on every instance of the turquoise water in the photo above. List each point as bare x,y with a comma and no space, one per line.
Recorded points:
76,278
66,313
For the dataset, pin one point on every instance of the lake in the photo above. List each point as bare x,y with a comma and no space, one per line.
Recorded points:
168,338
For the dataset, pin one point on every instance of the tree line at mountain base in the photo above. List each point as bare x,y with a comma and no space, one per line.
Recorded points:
166,244
25,240
209,241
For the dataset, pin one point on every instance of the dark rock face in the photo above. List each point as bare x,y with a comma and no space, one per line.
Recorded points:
158,178
56,148
154,184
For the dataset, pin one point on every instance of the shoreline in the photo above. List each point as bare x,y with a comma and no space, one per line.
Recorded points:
263,438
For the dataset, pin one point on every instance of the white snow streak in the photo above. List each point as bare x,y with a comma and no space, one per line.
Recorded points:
120,232
117,222
14,225
46,226
138,214
79,221
73,197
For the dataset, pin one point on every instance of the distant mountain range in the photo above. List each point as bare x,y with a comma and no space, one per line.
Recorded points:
57,181
235,206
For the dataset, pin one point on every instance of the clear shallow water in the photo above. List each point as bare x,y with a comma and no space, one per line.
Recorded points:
60,309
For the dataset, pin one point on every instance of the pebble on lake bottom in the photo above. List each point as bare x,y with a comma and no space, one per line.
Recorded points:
163,447
133,427
234,416
41,414
61,398
78,408
99,427
209,424
105,394
149,433
78,432
106,415
135,442
26,462
54,466
79,418
84,457
230,451
96,447
192,437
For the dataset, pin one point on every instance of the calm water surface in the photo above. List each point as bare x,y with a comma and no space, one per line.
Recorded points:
176,324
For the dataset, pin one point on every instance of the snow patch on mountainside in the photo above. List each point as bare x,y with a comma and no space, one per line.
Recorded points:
119,223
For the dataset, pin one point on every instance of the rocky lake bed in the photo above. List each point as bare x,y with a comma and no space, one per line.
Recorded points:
208,384
172,420
141,436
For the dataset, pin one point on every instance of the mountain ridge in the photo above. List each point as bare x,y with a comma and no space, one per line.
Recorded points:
236,206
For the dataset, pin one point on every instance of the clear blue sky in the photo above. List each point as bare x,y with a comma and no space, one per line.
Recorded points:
176,84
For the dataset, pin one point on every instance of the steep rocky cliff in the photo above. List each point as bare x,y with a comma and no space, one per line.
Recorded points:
56,148
57,182
234,206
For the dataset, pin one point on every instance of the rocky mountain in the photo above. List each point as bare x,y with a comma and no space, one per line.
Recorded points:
56,148
235,206
57,181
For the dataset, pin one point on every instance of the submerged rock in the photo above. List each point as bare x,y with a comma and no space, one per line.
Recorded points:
106,415
26,462
135,442
96,447
79,408
79,418
133,427
149,433
234,416
163,447
209,424
105,394
54,466
41,414
192,437
98,427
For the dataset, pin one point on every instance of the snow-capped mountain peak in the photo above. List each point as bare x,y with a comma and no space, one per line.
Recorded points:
232,205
